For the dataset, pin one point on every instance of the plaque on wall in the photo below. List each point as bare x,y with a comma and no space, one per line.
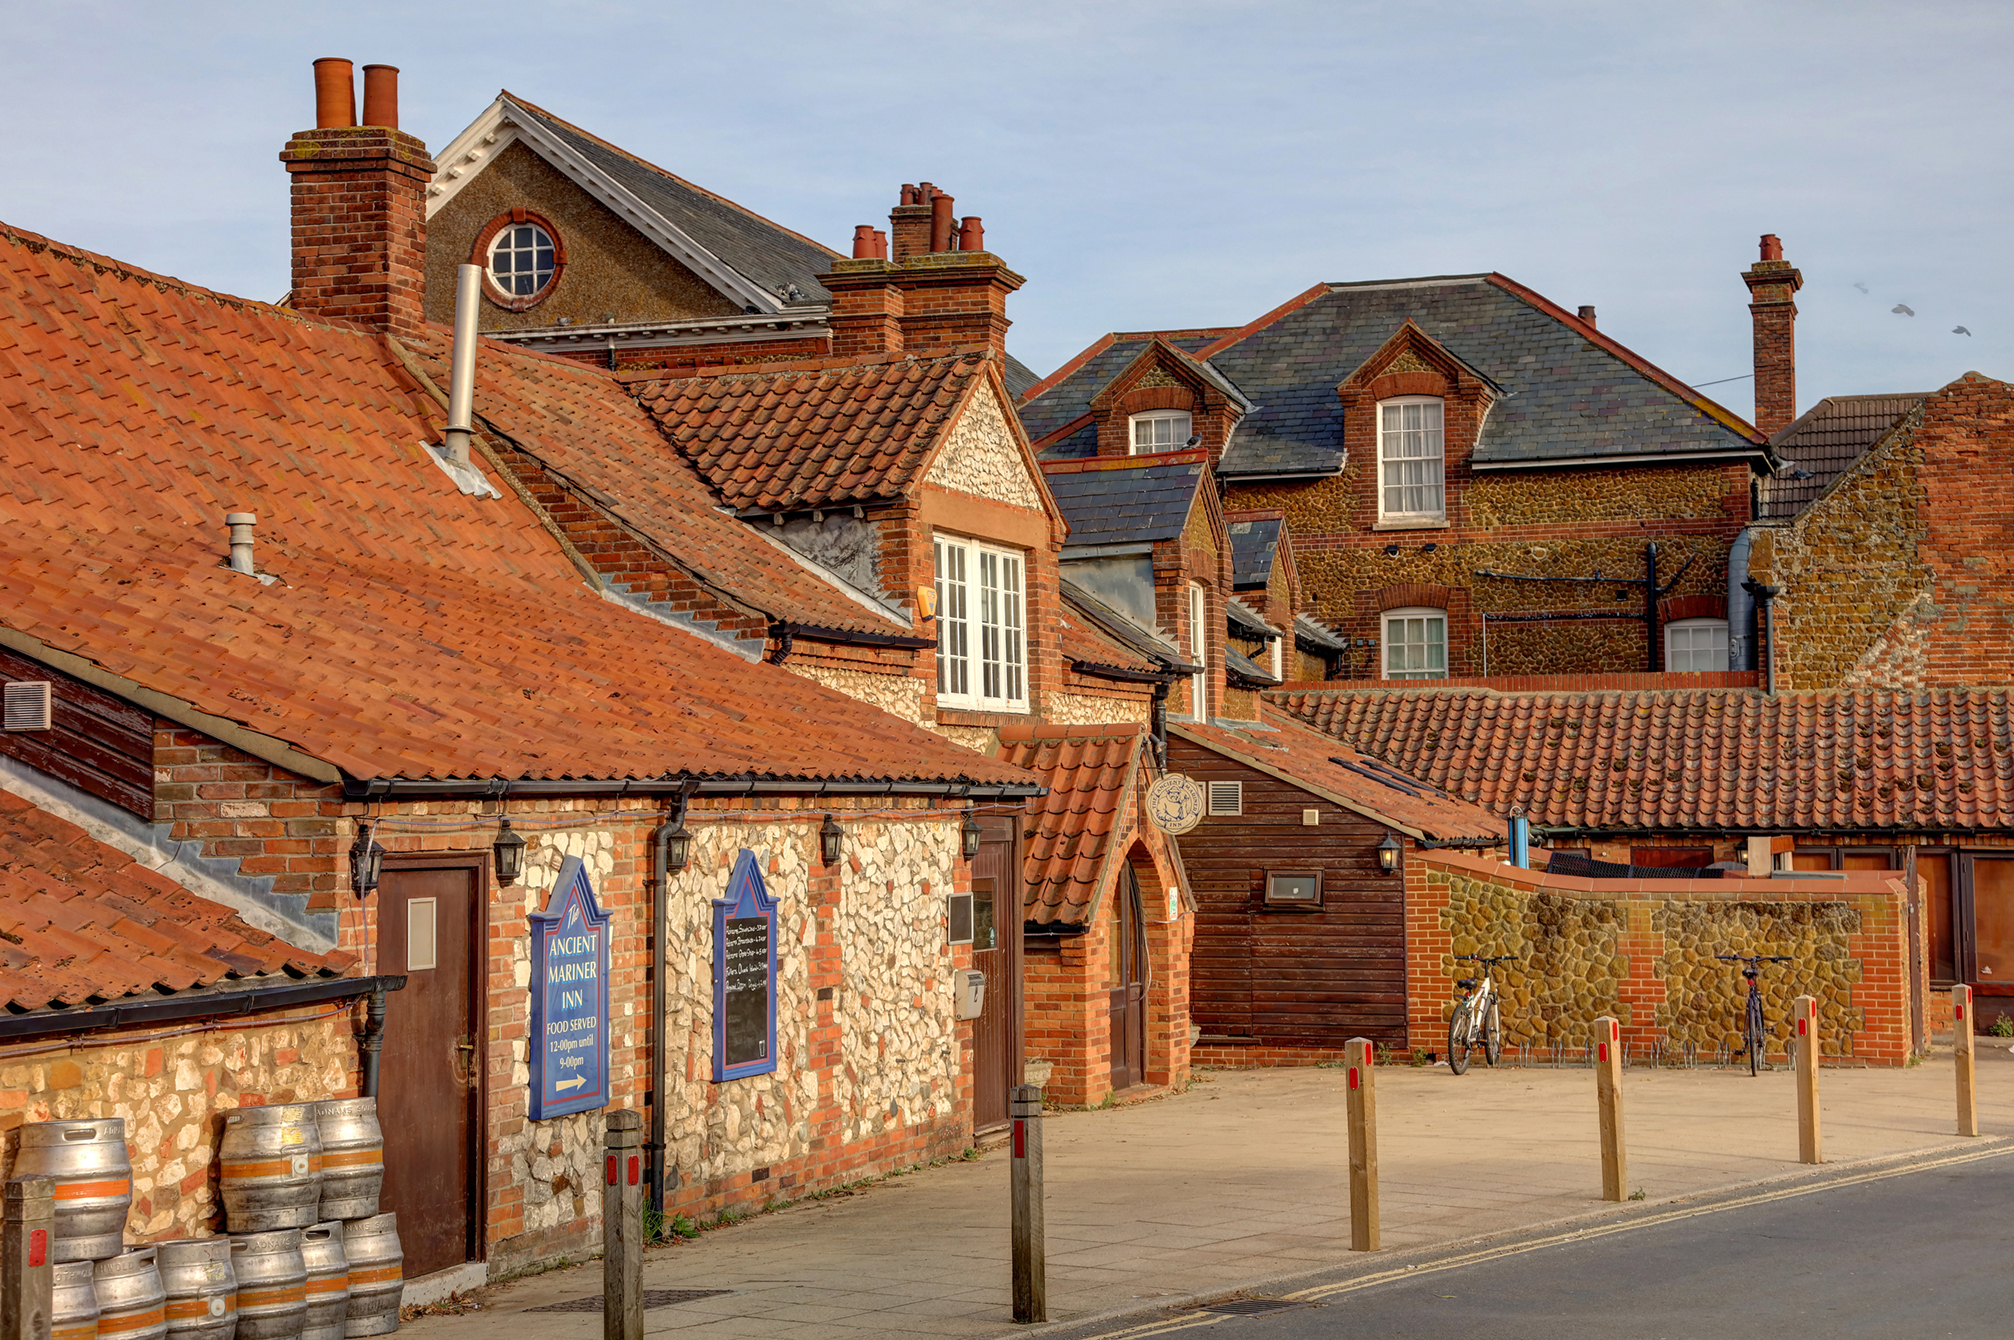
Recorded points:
569,998
744,974
1175,804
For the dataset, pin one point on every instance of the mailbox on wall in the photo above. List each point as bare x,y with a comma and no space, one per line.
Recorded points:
971,988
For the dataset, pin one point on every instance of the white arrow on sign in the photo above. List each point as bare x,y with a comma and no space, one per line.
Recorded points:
566,1084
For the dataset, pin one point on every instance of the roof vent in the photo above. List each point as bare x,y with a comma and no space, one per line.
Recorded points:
28,705
241,524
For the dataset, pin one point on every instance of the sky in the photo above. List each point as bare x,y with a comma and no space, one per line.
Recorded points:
1150,165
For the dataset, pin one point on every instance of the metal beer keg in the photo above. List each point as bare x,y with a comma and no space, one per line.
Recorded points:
93,1183
328,1281
271,1168
353,1157
272,1284
202,1288
73,1302
377,1274
132,1305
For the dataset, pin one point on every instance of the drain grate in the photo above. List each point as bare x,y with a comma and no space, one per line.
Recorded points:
651,1298
1245,1307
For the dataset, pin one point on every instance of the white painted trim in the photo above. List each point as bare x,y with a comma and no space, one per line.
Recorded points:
1409,520
1384,637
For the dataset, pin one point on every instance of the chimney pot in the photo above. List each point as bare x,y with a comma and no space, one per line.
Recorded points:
880,245
910,196
241,524
940,222
1587,315
381,96
863,242
335,93
1772,247
925,193
972,234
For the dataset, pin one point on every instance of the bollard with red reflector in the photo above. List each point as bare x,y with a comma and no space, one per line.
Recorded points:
1804,1040
1962,1053
622,1227
1031,1281
1361,1102
1608,1100
27,1271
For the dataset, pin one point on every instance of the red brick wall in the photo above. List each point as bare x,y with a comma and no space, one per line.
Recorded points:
1967,441
360,225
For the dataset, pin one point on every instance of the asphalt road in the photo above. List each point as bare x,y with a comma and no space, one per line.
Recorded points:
1914,1256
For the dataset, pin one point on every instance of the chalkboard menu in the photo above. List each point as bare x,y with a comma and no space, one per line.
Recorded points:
569,998
744,975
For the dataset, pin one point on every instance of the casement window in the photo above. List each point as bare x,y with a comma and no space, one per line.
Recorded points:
1411,466
982,615
1199,653
1416,644
1293,888
1695,644
1227,798
1158,430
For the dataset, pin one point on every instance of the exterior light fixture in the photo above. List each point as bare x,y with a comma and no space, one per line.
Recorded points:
677,846
367,860
508,852
829,835
969,831
1388,854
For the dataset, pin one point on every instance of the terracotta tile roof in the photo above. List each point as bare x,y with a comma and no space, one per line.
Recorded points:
786,437
1083,641
1825,440
415,632
1317,763
81,921
1714,761
1093,776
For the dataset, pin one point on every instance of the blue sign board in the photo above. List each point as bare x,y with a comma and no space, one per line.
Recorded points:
569,999
744,974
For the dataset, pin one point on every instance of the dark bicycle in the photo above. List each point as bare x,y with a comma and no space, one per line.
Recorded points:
1754,1034
1476,1021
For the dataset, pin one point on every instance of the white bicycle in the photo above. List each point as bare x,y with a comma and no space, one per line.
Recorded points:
1476,1022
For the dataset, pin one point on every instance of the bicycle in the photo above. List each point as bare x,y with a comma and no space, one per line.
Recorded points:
1476,1021
1753,1031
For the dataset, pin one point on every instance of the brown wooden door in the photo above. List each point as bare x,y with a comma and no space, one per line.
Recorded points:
429,1085
996,927
1129,985
1990,953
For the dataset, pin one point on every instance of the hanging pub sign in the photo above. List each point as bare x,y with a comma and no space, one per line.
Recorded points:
569,998
744,974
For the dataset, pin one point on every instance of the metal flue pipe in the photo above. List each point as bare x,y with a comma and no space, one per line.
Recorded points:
462,374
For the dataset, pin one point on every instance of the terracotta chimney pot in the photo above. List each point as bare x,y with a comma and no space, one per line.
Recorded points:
880,244
940,222
863,242
1587,315
971,234
335,93
910,195
381,96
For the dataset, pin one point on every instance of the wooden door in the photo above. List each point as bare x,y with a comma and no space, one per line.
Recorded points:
1129,985
1990,953
429,1087
996,926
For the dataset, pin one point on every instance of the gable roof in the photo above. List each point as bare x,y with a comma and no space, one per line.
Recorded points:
1075,831
1126,499
1066,393
1706,760
811,434
1254,540
413,631
1824,443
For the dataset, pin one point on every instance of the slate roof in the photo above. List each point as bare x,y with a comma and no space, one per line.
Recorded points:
1319,764
1018,376
1082,639
414,631
1569,392
766,253
1073,833
82,922
1149,643
1704,760
1825,441
1241,615
778,437
1252,546
1066,393
1247,671
1317,634
1126,500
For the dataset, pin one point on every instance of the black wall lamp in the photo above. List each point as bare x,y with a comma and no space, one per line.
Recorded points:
678,844
829,835
969,832
367,860
508,853
1388,854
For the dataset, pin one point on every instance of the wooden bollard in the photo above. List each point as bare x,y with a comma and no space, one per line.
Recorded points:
622,1227
1362,1103
1804,1037
26,1259
1962,1053
1608,1097
1031,1282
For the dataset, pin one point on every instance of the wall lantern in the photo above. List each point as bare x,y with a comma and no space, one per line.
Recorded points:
1388,854
969,831
829,834
367,861
508,852
677,846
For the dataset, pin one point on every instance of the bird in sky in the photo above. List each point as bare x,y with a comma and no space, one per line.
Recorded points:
1862,287
1902,309
1960,330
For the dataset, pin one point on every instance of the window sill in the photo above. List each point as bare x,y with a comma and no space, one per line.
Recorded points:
967,716
1290,907
1412,524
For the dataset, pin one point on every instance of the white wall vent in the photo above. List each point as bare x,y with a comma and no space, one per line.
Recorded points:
1227,797
28,704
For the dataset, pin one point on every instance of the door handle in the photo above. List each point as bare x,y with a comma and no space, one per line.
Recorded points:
465,1059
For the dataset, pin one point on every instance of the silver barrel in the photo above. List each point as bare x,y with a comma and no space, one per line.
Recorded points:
132,1305
202,1288
270,1168
272,1284
93,1183
377,1274
353,1157
73,1302
328,1281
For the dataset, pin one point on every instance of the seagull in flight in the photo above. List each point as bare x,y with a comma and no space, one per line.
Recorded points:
1960,330
1862,287
1902,309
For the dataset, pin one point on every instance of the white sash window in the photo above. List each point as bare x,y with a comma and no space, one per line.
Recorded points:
1411,469
982,613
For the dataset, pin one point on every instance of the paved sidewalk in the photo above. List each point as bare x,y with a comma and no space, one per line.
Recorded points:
1241,1179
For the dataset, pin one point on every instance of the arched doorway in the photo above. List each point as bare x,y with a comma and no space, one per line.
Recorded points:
1131,972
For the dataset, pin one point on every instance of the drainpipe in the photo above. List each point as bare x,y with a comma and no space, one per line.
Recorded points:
1159,715
660,920
462,371
373,1042
1765,596
1740,604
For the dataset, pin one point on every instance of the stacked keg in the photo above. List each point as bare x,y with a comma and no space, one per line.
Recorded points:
100,1286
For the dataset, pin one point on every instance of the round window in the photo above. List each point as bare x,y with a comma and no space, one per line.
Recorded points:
522,260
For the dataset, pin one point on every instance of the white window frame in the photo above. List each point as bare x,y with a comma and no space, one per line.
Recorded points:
982,625
1385,622
506,241
1693,625
1438,457
1199,652
1179,435
1277,649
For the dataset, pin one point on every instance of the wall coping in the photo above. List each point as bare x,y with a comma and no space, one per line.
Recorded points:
1862,882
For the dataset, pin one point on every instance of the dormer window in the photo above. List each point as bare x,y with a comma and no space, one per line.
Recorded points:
1159,430
1411,465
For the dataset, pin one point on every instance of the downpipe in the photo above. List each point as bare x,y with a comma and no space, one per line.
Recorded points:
660,924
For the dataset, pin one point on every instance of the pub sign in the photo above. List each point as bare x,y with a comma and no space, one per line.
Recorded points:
569,998
744,974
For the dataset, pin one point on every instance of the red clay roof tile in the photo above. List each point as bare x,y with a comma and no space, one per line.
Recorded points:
1092,773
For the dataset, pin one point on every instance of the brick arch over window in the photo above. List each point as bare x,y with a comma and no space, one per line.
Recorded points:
1403,595
1673,608
1394,384
1158,397
479,254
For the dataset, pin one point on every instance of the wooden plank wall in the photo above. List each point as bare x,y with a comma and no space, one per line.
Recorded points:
1291,977
102,745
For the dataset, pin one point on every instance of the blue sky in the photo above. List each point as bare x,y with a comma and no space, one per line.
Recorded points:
1150,164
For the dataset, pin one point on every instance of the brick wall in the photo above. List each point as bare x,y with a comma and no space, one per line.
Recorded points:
360,225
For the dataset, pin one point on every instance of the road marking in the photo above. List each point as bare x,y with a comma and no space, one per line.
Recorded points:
1324,1292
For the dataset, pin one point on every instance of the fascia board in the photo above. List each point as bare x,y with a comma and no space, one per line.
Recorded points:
468,153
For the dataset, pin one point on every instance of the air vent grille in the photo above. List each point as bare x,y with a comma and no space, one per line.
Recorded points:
27,704
1227,797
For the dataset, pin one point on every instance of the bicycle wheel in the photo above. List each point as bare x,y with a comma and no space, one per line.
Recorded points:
1493,1036
1458,1040
1755,1039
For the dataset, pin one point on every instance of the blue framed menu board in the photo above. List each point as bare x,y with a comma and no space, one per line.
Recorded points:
569,998
744,974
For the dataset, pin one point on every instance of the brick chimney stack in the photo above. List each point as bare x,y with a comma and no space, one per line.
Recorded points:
1772,289
359,205
940,289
